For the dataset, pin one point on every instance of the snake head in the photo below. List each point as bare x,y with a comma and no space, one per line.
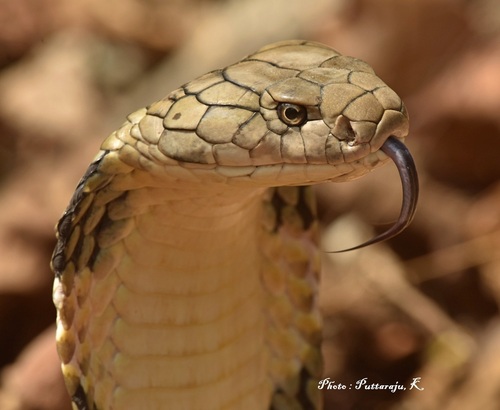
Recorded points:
293,113
321,107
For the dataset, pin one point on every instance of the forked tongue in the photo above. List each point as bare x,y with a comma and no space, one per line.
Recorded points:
401,156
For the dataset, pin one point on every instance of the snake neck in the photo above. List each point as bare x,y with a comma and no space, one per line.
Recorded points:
187,301
202,244
186,293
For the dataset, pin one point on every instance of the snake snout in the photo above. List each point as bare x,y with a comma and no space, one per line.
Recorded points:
394,123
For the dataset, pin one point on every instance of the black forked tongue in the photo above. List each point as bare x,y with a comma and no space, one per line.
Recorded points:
401,156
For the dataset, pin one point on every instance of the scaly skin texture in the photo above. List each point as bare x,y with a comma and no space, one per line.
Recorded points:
186,266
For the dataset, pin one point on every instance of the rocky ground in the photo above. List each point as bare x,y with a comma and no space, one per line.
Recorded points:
423,305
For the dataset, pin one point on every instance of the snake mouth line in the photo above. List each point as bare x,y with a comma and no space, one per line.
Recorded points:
397,151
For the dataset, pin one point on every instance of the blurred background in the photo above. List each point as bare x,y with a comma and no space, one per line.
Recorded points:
425,304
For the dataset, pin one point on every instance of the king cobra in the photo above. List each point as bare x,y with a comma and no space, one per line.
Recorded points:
187,265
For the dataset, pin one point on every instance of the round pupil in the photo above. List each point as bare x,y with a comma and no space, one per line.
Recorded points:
291,113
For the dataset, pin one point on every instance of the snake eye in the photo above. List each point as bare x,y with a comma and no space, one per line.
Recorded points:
292,114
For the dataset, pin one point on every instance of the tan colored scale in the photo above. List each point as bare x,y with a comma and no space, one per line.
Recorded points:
187,267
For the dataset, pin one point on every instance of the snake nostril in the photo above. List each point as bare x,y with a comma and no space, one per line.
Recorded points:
343,130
